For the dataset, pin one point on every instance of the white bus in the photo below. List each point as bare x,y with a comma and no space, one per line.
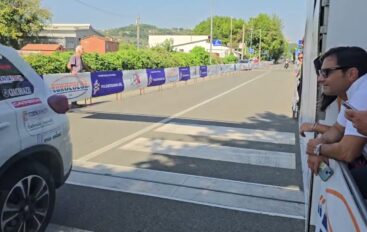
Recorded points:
334,205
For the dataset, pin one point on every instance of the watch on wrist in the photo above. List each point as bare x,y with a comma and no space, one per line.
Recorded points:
317,150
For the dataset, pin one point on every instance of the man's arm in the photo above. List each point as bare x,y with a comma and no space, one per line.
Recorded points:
333,134
348,149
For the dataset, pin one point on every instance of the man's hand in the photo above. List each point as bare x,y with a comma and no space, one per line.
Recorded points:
359,120
306,127
74,73
314,162
312,143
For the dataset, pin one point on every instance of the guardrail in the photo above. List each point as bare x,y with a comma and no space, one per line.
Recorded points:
101,83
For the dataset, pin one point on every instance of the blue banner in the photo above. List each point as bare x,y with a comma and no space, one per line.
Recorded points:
156,77
184,73
106,82
203,71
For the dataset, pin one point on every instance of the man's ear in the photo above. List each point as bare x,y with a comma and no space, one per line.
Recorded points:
353,74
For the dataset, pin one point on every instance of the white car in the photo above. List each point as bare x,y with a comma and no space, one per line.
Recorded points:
35,147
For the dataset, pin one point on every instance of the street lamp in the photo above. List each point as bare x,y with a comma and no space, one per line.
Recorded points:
211,33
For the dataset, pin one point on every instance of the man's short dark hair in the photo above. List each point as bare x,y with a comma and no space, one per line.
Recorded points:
349,57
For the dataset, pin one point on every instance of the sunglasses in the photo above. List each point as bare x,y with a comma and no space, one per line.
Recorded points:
325,72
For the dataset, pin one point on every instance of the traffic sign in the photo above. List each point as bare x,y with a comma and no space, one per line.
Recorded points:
251,50
217,42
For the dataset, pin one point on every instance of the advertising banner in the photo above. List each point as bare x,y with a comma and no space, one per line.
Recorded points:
212,70
106,82
336,209
203,70
135,79
156,77
74,87
184,73
171,74
194,72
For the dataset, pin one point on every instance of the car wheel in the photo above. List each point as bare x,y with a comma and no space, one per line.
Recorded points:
27,198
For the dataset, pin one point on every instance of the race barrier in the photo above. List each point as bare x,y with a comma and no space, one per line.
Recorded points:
101,83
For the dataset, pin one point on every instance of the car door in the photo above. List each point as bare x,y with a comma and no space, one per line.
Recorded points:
9,137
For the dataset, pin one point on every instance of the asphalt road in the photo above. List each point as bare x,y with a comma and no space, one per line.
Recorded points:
209,155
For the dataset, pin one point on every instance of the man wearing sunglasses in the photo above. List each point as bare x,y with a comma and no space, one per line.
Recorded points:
342,74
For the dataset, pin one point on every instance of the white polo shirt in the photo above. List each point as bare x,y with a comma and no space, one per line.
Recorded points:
357,97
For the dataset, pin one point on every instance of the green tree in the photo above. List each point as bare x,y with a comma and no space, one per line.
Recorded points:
270,30
222,29
20,19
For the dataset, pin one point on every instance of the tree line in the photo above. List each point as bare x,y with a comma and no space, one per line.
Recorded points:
24,19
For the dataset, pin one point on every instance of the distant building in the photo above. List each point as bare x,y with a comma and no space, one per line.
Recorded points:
99,44
185,43
68,35
46,49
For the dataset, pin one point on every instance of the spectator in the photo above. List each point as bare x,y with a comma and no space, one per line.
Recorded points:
325,102
76,65
342,74
359,120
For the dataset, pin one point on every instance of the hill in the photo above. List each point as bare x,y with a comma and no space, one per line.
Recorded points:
128,34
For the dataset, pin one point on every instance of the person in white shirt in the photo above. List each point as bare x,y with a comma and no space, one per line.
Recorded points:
342,74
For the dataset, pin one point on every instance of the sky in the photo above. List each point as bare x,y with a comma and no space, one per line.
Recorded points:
106,14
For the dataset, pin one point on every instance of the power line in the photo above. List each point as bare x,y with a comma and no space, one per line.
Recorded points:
102,10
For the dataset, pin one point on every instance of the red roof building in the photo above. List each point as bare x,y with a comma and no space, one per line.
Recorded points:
46,49
99,44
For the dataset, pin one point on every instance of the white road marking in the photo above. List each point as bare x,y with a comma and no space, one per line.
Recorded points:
213,152
166,120
227,133
236,195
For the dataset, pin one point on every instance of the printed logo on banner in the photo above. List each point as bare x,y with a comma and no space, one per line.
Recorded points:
73,87
156,77
106,82
184,73
203,70
171,74
136,79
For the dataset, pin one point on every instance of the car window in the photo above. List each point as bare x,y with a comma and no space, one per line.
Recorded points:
12,82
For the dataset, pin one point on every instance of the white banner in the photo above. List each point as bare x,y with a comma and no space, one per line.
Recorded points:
213,70
336,208
135,79
74,87
171,75
194,72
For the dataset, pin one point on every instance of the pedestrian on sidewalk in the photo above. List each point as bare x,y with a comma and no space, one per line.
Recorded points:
76,65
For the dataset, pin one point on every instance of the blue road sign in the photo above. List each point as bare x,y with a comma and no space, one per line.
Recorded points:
217,42
251,50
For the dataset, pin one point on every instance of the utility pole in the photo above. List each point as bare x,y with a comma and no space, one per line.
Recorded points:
211,33
138,32
251,39
231,37
260,47
243,40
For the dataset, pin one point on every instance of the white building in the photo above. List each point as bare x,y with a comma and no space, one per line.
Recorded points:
185,43
68,35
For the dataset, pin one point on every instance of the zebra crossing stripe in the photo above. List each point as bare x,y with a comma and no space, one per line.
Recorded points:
227,133
236,195
213,152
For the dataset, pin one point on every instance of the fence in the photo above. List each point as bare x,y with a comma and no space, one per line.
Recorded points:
101,83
